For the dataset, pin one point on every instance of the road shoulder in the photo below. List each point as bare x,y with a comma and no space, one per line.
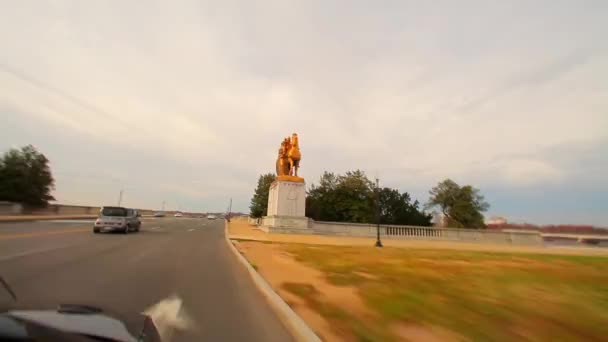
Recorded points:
296,325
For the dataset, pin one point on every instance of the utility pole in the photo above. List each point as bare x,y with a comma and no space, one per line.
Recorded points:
120,197
229,210
163,206
378,242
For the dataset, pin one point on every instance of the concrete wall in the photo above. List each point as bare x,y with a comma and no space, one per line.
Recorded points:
427,233
62,209
254,221
344,229
10,208
411,233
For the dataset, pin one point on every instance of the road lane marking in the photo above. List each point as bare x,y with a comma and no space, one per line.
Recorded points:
169,315
144,253
34,251
67,221
190,230
40,234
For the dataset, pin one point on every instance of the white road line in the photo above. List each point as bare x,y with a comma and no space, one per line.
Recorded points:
169,315
34,251
154,228
190,230
67,221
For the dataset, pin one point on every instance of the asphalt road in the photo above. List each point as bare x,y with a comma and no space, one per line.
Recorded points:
48,263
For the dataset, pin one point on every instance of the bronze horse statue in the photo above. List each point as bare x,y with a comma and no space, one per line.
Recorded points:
289,157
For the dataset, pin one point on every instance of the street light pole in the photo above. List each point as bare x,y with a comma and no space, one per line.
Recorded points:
378,242
120,197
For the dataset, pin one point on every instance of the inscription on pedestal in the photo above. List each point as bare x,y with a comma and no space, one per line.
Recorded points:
287,199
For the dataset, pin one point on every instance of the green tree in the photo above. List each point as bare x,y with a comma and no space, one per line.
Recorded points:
321,198
352,198
259,202
341,198
462,206
25,177
398,208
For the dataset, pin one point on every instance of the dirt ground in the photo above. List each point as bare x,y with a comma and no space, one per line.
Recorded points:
240,229
279,268
329,297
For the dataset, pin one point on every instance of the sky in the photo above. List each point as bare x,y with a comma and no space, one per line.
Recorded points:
187,101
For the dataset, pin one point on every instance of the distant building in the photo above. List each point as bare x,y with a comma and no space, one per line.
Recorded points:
496,220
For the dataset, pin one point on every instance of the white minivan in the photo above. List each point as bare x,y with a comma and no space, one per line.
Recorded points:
117,219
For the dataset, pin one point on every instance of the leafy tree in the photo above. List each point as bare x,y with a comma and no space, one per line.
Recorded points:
321,198
259,202
398,208
341,198
462,206
352,198
25,177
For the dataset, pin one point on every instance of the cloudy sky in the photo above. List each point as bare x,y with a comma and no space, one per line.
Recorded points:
187,101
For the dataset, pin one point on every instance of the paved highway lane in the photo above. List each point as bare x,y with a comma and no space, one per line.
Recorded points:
48,263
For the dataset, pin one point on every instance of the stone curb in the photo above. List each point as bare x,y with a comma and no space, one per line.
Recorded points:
296,325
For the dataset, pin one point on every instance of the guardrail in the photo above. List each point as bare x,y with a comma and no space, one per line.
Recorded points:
426,233
412,232
254,221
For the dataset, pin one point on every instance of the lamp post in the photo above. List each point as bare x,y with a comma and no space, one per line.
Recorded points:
378,242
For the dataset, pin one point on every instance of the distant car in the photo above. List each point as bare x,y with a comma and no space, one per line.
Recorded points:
117,219
211,217
178,215
159,214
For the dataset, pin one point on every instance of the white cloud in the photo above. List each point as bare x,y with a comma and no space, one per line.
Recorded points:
415,92
521,172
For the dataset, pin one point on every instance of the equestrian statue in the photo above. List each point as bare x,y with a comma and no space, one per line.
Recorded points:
288,160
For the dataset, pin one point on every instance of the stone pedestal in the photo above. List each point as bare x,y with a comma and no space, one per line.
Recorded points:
287,198
286,207
285,224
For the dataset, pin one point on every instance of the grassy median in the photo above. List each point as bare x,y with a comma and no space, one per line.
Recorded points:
459,295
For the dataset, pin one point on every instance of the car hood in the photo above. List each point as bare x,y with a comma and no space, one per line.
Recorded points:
87,324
